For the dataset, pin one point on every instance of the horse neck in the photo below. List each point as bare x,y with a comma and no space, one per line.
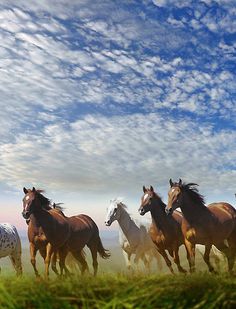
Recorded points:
126,223
192,212
44,219
159,216
34,224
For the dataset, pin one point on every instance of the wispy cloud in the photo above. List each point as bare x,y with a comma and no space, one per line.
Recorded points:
98,94
97,153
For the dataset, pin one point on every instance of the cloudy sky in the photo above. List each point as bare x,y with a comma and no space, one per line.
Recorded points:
99,97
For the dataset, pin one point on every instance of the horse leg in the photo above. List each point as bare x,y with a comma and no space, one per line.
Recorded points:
16,262
127,257
190,247
162,252
232,244
158,259
62,260
54,263
94,252
229,253
33,252
49,252
206,257
78,255
176,259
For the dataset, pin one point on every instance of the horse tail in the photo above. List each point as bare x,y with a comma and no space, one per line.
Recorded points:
104,253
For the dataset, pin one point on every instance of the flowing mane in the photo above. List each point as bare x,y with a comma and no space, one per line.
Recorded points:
197,198
119,201
44,200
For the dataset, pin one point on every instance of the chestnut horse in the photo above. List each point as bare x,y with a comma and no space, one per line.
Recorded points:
165,231
211,225
64,233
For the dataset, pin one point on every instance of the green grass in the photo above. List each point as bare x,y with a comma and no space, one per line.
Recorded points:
115,288
200,290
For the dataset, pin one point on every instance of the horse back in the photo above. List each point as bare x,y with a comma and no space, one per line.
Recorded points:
223,212
82,223
83,230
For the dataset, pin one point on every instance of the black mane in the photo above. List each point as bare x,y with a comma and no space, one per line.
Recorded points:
44,200
190,189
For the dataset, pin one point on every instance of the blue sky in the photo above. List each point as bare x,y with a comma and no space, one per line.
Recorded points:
101,97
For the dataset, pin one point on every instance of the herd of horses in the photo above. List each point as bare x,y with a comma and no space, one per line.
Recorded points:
56,236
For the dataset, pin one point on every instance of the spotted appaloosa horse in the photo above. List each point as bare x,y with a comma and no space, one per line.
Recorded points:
10,245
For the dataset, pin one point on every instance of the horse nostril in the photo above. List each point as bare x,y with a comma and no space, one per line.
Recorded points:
25,214
141,211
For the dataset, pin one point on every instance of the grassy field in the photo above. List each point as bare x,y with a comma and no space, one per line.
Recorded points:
114,287
120,291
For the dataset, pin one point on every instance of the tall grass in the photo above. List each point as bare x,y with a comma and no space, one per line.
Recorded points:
200,290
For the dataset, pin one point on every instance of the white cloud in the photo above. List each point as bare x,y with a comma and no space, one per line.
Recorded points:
97,153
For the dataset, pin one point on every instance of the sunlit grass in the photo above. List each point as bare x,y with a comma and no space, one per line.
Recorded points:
115,287
200,290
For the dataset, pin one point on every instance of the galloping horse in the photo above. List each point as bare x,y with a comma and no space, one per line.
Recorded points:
211,225
39,242
10,245
165,231
64,233
134,239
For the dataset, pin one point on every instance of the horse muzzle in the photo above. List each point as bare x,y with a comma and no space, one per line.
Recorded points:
169,211
26,214
141,211
108,223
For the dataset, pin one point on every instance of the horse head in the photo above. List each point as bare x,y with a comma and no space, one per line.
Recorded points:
32,201
146,200
113,211
174,196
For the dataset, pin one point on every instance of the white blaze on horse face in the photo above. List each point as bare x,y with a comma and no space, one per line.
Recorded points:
27,198
173,190
145,197
111,212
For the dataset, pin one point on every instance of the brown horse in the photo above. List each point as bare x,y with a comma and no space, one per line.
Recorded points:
38,241
64,233
211,225
165,231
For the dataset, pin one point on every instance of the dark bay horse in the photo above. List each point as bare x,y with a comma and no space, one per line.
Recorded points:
165,231
64,233
214,224
39,242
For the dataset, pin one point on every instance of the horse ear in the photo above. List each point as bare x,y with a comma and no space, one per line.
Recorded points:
151,189
171,182
33,190
144,189
25,190
180,182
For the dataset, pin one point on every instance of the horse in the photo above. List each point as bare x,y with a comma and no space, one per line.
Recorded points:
165,231
214,224
64,233
10,245
39,242
133,239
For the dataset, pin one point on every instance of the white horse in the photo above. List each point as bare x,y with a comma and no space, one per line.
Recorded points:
133,239
10,245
